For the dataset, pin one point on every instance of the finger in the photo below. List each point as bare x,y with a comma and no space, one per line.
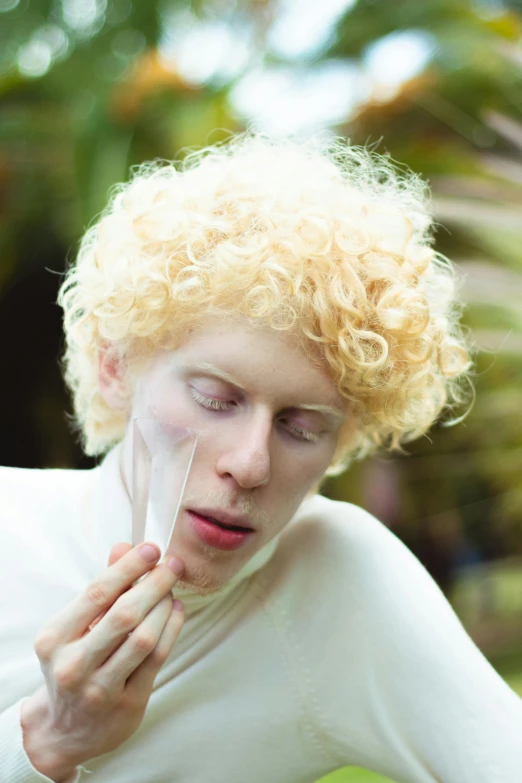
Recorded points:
118,551
95,622
124,616
135,649
140,683
98,596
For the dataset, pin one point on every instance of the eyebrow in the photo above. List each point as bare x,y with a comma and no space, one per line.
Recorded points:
211,369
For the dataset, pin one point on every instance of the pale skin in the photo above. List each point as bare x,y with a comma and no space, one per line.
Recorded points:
258,461
100,656
101,653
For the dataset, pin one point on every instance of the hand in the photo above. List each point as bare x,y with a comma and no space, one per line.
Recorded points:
100,666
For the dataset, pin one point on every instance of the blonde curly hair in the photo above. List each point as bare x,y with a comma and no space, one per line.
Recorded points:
330,240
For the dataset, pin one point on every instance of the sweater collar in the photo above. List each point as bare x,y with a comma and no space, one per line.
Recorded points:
110,521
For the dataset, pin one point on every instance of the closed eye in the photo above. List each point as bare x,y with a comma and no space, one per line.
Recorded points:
217,405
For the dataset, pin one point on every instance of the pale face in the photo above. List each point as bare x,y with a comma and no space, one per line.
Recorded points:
267,449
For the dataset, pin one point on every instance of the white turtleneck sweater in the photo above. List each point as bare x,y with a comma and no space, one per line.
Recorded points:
333,646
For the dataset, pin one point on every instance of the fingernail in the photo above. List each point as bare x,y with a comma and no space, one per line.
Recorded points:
175,564
149,552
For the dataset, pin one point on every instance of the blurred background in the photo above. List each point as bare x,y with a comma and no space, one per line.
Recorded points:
90,87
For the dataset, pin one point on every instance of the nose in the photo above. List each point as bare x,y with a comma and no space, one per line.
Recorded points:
246,456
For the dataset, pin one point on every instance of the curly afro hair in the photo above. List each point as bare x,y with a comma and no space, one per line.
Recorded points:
317,236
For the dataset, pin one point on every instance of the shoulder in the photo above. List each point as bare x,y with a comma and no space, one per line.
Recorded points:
42,529
349,535
337,551
336,546
25,481
348,556
342,531
20,476
33,493
40,478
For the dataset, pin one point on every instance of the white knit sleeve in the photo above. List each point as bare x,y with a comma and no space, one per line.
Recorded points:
414,698
15,765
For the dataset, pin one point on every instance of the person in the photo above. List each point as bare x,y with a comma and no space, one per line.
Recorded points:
281,297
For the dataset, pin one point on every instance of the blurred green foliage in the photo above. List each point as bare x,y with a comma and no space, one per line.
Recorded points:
459,124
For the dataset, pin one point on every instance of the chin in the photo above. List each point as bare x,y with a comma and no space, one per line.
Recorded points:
198,589
199,583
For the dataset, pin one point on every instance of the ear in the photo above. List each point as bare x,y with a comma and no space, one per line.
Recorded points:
111,377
